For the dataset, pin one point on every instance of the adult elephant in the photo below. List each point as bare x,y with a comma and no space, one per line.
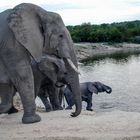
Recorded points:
87,89
28,30
49,76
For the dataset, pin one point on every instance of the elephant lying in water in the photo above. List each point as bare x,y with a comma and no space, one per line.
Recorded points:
87,89
27,31
49,75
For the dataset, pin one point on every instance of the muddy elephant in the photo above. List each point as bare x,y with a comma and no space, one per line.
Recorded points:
87,89
28,31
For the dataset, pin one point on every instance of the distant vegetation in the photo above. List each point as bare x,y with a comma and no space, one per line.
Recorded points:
115,32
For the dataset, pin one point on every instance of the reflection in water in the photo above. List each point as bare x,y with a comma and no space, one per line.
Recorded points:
122,74
106,105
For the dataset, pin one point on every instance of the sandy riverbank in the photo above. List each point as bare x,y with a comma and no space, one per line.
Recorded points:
58,125
94,50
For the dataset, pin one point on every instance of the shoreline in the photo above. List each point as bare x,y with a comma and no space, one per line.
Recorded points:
87,51
58,125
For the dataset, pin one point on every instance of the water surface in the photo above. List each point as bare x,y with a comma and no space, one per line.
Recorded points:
122,73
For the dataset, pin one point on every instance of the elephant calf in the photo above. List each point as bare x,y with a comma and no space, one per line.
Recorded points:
87,89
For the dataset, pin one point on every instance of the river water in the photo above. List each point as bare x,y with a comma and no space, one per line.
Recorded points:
122,73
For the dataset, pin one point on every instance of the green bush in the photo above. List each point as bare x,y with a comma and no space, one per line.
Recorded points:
115,32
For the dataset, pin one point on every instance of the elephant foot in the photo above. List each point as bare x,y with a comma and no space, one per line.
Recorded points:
48,109
58,108
89,109
4,108
68,107
31,119
12,110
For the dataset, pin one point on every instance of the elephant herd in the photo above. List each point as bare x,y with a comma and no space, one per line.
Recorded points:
51,95
37,58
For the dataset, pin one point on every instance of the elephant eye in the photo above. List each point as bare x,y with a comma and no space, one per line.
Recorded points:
61,36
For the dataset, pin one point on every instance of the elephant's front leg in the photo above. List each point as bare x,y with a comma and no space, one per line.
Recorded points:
24,83
89,102
45,101
69,99
54,98
22,77
16,61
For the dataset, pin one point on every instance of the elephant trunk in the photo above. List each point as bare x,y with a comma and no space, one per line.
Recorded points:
75,89
72,80
108,89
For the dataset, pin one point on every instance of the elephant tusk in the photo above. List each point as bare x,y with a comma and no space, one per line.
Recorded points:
73,66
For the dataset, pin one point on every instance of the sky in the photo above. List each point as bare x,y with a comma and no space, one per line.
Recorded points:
75,12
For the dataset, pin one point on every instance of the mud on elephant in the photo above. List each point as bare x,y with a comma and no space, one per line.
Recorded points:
29,31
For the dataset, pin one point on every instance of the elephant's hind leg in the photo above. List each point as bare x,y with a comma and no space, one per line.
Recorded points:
12,110
6,94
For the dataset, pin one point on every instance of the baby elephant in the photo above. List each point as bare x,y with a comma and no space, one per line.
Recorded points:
87,89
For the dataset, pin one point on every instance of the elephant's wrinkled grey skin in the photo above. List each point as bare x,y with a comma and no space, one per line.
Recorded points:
87,89
28,30
6,94
49,72
50,90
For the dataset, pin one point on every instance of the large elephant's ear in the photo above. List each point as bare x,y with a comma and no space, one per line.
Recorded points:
48,69
25,24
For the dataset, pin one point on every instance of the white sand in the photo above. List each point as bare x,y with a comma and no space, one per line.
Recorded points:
58,125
